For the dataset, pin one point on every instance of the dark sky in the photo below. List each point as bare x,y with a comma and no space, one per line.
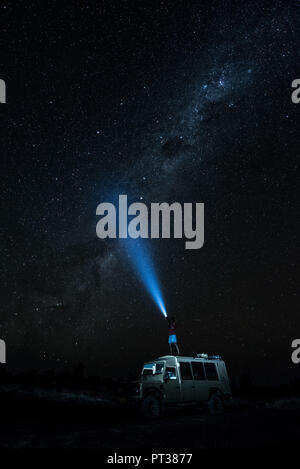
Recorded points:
164,101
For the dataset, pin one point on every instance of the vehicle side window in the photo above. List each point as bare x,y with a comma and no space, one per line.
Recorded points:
211,371
198,370
159,368
170,372
185,370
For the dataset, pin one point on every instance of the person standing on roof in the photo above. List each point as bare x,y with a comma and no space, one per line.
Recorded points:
172,334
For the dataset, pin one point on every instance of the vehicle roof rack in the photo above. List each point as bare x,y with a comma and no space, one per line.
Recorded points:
208,357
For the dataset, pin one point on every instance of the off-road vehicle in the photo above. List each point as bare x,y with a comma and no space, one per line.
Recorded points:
175,380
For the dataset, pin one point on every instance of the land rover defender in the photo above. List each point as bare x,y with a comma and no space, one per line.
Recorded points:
174,380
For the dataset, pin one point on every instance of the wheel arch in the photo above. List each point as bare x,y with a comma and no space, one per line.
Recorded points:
156,392
215,390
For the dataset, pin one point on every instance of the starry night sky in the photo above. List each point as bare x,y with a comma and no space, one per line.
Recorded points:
163,101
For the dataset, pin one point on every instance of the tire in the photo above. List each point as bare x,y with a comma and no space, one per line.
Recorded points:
215,404
151,407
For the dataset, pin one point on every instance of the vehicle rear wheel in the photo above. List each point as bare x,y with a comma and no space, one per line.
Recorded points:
151,407
215,404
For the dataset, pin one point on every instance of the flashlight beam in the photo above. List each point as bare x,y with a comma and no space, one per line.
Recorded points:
142,263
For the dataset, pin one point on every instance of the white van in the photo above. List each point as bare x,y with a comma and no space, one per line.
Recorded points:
171,380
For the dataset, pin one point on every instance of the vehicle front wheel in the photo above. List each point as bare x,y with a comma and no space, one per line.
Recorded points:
215,404
151,407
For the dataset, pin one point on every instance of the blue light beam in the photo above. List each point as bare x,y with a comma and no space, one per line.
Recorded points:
142,263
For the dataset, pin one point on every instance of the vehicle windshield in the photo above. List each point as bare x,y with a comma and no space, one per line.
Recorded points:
155,368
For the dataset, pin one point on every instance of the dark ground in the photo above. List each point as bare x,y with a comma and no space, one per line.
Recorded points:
28,421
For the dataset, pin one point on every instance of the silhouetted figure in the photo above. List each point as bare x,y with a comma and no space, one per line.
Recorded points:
172,334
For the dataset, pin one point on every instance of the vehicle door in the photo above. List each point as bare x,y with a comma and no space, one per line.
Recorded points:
187,382
212,375
201,383
171,384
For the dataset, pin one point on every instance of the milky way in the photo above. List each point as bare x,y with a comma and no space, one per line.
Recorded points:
176,104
